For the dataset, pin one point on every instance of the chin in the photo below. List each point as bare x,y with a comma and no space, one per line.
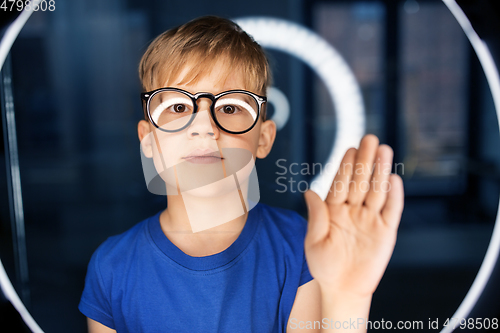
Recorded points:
221,188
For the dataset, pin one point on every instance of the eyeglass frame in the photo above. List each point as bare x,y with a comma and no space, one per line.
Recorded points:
147,96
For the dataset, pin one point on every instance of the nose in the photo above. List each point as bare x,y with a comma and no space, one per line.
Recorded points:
203,126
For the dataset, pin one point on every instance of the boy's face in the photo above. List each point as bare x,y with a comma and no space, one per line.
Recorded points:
202,142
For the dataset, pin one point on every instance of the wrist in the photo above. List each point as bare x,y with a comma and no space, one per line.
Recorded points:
345,300
344,305
332,292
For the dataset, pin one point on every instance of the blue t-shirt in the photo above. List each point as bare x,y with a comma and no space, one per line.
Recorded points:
139,281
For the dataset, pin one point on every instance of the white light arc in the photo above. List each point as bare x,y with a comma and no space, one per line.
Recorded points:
491,72
281,106
10,293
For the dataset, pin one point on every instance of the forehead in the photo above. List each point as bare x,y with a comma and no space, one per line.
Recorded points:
209,76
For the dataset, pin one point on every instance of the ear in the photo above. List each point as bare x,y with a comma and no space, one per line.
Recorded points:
144,131
266,139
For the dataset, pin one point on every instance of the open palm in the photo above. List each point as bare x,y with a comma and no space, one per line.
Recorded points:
351,235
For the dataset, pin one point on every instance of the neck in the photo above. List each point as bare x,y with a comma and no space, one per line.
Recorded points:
201,226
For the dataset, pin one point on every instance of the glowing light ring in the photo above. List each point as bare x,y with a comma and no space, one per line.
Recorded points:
491,72
294,36
329,65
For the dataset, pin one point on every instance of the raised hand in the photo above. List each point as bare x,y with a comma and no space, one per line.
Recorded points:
351,235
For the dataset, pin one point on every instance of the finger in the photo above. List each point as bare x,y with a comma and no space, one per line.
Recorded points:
318,221
393,208
379,184
362,169
340,185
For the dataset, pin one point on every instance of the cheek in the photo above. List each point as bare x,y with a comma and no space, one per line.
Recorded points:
248,141
168,149
253,143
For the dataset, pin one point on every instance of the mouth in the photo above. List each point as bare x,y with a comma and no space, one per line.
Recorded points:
199,156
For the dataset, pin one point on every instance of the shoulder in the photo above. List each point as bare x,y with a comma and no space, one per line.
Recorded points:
283,217
105,272
119,248
289,224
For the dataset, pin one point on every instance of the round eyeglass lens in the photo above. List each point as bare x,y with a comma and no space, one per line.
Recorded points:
171,110
236,112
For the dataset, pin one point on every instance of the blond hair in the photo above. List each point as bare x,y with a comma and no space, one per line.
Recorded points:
200,44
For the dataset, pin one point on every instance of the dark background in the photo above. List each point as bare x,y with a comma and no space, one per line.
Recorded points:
76,95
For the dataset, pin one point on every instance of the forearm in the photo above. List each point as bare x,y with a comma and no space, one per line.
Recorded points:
344,312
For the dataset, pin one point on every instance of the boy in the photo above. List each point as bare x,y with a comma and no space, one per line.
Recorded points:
239,269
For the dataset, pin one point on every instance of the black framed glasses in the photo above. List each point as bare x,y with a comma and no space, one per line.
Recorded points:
233,111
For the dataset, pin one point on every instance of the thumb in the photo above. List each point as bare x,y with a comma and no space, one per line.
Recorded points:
318,217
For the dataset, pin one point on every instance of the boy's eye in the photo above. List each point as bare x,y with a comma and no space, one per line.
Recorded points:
229,109
179,108
236,104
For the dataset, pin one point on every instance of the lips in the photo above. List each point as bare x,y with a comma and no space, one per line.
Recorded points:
203,156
